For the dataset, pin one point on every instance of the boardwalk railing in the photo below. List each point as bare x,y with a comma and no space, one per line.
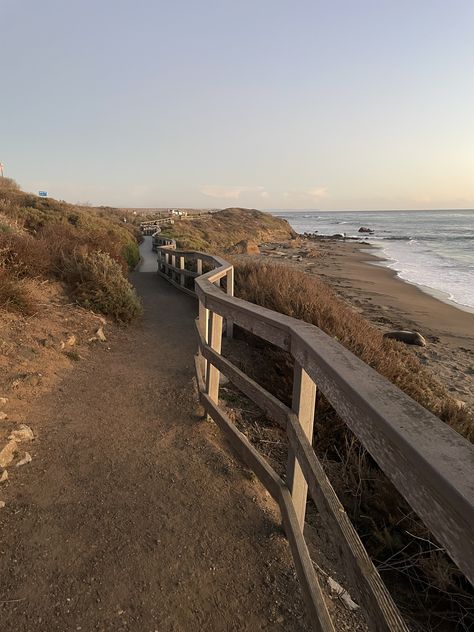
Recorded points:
428,462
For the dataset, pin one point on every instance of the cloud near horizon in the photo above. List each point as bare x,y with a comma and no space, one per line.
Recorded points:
233,192
311,193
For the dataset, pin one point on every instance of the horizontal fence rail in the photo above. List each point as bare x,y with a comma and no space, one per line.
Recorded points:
427,461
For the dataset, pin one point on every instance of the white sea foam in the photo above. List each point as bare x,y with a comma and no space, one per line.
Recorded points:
434,250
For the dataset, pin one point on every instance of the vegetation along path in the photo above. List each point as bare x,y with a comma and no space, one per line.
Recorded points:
131,515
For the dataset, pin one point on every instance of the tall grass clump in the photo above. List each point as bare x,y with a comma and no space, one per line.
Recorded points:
396,538
15,295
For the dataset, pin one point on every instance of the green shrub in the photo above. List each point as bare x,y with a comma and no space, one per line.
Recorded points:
131,254
98,283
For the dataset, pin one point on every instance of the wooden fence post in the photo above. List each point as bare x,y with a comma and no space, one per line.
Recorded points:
303,403
230,292
204,329
181,265
212,378
199,266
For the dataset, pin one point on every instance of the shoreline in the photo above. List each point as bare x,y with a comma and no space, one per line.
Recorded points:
358,276
439,295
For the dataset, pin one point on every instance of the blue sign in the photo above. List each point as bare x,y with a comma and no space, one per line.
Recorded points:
43,193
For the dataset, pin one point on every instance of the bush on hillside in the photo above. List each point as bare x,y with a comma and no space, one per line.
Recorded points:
98,283
44,238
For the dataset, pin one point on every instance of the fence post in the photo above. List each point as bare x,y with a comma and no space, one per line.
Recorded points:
230,292
167,261
303,403
204,329
173,263
212,378
181,265
199,266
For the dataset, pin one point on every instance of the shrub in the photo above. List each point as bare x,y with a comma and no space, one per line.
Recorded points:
98,283
131,254
15,295
23,255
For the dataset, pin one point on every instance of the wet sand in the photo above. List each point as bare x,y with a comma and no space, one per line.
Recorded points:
355,273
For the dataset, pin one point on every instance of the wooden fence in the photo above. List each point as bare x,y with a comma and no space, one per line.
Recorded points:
428,462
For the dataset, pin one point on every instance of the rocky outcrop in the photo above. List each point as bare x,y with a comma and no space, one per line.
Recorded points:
365,229
245,247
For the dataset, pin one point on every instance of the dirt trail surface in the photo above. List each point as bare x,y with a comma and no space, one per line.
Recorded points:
132,515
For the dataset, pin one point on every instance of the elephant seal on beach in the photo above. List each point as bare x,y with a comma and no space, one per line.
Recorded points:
408,337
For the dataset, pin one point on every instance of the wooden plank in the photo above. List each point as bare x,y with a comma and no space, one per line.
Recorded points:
181,267
239,442
199,266
370,589
303,404
312,593
230,292
203,334
177,285
270,405
215,342
407,441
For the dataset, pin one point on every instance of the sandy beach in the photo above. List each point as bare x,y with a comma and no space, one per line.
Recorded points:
358,275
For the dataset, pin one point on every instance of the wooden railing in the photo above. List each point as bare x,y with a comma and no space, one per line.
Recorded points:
428,462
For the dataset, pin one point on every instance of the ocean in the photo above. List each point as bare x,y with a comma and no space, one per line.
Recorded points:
432,249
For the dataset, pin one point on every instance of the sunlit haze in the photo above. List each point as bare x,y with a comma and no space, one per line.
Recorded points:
263,103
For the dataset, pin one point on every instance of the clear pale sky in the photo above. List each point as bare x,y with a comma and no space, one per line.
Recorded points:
267,103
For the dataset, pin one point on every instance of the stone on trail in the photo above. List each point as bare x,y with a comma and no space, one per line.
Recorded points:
2,504
7,454
408,337
4,476
26,459
3,416
100,335
24,433
3,400
71,341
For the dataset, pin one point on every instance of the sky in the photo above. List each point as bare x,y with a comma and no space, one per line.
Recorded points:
336,104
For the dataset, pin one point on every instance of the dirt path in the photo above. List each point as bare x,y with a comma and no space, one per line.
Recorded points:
132,515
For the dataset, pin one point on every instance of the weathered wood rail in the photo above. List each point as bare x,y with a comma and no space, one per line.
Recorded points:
429,463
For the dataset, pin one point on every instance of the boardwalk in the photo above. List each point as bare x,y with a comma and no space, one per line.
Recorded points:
131,515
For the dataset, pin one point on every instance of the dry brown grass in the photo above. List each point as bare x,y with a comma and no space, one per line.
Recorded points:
292,292
44,238
15,294
393,534
217,232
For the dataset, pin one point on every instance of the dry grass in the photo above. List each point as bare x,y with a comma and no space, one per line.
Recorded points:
296,294
44,238
217,232
15,294
395,537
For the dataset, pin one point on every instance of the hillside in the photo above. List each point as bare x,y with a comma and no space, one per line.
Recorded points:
88,250
220,231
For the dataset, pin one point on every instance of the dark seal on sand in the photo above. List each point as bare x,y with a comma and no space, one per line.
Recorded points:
409,337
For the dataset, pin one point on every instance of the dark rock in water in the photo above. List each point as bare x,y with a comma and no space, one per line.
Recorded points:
408,337
364,229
